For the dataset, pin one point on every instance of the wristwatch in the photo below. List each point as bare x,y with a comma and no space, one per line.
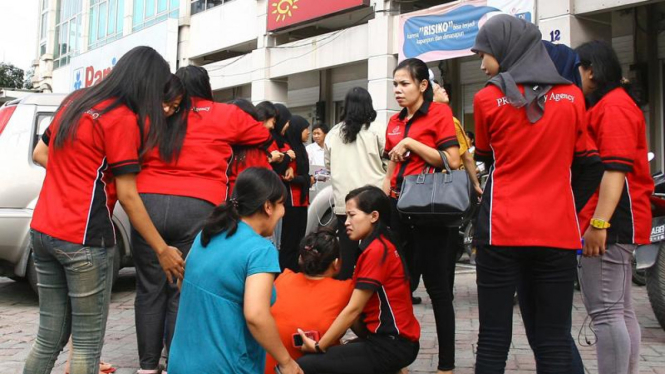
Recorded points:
318,349
600,224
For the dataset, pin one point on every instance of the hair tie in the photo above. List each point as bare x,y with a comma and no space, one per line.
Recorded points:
234,202
309,248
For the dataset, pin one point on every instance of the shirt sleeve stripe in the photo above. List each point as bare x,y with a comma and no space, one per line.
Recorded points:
120,163
367,286
619,159
446,139
618,166
126,169
448,144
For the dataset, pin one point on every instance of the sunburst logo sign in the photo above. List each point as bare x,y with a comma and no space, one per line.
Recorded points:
284,8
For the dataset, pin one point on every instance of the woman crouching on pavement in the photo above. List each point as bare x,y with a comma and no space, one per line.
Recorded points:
382,296
224,323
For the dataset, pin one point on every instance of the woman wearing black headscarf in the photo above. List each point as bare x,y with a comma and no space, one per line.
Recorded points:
297,182
530,126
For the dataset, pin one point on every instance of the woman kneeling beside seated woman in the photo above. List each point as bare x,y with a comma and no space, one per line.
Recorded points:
382,294
311,299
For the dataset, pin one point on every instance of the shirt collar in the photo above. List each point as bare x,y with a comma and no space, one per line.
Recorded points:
424,108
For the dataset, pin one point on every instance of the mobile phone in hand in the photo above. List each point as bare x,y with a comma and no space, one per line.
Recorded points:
296,339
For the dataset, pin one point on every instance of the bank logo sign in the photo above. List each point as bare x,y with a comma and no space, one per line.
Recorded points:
449,31
91,75
285,13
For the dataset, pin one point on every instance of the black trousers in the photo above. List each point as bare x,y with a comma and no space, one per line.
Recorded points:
294,225
349,250
178,220
378,354
426,252
529,307
551,273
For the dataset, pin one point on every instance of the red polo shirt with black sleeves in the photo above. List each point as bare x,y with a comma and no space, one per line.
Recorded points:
432,125
618,127
247,157
78,195
389,310
528,199
202,170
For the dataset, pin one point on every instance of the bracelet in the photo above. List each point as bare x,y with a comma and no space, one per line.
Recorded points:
318,349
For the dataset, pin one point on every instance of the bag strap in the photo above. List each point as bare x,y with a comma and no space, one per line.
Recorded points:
446,165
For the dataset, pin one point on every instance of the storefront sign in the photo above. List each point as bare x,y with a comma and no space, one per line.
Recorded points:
449,30
91,67
284,13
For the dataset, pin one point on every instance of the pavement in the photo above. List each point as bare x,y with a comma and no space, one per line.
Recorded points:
19,318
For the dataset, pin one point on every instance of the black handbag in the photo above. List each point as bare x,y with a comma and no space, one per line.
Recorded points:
438,199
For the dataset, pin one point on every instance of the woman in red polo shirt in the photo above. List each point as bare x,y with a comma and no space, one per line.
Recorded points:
530,127
414,138
179,192
618,216
95,143
297,181
380,308
245,157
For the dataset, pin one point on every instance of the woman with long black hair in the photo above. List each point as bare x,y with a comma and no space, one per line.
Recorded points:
414,138
95,142
618,217
354,155
297,180
179,191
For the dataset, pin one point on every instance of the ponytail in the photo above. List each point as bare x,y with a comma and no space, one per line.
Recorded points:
254,187
224,218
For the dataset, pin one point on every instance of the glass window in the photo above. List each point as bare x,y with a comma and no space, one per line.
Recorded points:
103,15
149,8
106,21
202,5
67,31
153,11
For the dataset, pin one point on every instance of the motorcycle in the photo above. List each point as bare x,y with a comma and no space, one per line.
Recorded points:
651,258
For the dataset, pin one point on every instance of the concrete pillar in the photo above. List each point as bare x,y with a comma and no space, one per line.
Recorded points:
85,26
558,24
264,88
44,70
382,61
184,18
128,18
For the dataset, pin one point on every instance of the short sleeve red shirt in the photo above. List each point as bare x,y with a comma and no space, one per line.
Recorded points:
78,195
618,127
431,125
528,199
389,311
202,170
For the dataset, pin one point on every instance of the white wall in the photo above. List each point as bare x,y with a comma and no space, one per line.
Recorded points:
588,6
222,27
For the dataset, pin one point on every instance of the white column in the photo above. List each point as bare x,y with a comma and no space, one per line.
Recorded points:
184,18
382,61
128,17
558,24
264,88
85,26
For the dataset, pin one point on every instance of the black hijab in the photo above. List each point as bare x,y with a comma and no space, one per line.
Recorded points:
283,116
294,139
517,46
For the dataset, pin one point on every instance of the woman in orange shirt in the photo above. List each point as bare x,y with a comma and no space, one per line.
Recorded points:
312,299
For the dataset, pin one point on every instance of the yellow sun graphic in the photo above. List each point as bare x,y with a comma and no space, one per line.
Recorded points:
283,8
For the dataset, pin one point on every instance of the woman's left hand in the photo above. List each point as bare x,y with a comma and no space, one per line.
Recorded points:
397,154
291,154
308,344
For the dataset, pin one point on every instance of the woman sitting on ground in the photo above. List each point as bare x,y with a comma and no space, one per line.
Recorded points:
311,299
382,295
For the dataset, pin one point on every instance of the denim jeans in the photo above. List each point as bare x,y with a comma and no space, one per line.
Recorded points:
178,220
552,273
74,284
606,284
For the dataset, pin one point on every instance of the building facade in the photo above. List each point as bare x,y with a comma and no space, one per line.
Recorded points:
308,53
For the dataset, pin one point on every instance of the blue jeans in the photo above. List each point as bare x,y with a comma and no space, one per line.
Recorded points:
74,293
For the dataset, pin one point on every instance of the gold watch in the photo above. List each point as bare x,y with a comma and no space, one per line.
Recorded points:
600,224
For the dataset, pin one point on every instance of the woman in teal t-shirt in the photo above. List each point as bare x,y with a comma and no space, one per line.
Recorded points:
224,323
